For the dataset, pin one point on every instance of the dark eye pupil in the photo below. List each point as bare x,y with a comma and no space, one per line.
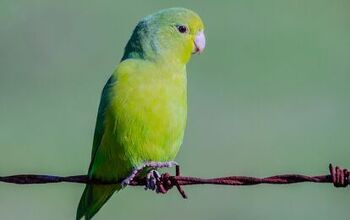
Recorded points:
182,29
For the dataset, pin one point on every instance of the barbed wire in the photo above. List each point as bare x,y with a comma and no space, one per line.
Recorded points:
338,176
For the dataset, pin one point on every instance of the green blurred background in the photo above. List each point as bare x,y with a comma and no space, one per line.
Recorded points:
269,95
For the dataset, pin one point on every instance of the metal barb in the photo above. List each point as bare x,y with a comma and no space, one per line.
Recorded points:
340,177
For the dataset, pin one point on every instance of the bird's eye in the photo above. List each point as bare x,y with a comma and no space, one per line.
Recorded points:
182,29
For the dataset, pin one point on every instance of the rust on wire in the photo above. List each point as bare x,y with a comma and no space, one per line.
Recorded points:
338,177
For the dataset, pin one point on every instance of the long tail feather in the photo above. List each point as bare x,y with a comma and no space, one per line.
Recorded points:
93,198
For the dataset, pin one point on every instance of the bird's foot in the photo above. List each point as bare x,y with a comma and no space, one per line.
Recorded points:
127,180
151,180
149,164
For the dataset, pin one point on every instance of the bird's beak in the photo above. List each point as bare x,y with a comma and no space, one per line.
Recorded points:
199,43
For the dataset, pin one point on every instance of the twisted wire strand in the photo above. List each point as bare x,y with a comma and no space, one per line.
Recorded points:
338,176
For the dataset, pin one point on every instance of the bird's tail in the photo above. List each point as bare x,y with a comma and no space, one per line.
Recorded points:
93,198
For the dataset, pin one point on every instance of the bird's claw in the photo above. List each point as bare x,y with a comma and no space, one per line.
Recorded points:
154,175
151,180
125,182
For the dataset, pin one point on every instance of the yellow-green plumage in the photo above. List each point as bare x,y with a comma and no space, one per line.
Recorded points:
143,108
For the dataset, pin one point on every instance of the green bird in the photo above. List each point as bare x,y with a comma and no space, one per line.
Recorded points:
143,109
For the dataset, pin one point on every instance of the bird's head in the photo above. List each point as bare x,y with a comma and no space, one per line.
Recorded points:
172,34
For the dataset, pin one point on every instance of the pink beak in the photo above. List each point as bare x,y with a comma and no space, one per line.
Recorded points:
199,43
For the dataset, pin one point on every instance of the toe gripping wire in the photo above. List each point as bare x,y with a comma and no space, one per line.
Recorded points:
340,177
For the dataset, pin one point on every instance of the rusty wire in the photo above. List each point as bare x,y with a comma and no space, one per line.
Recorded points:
338,176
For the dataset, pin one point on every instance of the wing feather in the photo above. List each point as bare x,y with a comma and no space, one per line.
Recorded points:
99,128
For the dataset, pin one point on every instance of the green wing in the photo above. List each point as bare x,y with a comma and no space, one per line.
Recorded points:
99,128
94,196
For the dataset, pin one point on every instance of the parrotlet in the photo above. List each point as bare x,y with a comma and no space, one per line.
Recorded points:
142,114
